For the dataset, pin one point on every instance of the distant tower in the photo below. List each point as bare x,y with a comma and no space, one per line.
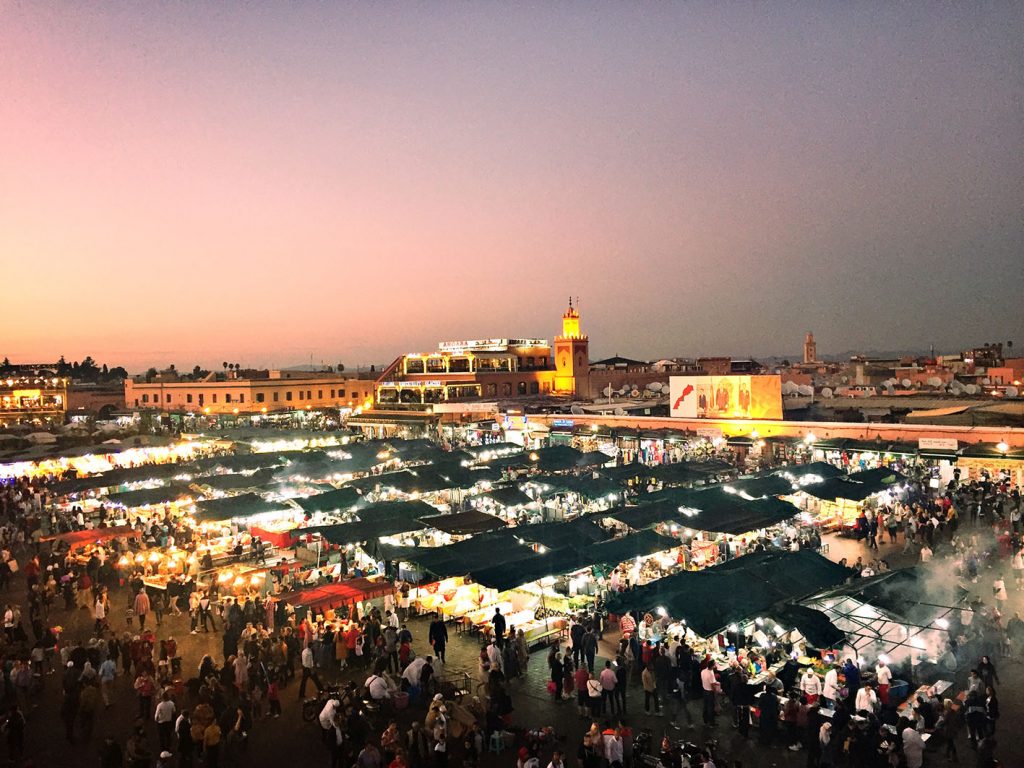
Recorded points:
810,349
572,356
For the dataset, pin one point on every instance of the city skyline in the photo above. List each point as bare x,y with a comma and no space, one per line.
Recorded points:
187,184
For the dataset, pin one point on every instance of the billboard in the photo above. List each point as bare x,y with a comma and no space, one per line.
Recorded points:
725,397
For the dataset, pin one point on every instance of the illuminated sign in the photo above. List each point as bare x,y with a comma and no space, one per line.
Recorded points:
725,397
489,345
938,444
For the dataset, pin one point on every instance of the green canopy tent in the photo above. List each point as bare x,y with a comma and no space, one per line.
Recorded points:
739,590
232,507
151,496
345,499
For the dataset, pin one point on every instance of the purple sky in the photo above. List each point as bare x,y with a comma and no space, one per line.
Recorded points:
197,182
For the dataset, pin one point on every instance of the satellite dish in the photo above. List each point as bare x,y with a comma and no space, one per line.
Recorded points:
619,412
624,390
986,380
806,390
790,388
827,393
971,389
905,382
956,388
654,386
607,391
635,393
1012,392
576,410
934,381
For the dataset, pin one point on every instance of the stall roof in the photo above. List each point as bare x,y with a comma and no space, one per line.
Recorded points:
460,558
719,511
229,507
757,487
841,488
237,481
337,594
576,534
646,515
811,623
588,486
675,474
741,589
368,530
899,592
417,480
509,496
881,475
615,551
553,458
340,499
462,523
821,469
151,496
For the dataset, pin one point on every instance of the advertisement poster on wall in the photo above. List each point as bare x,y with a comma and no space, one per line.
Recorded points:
725,397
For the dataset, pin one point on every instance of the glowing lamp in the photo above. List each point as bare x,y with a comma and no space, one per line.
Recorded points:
662,611
1002,447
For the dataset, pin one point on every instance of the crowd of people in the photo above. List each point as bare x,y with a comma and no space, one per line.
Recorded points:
379,696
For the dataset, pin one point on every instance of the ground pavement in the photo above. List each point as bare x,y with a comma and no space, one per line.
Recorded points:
278,741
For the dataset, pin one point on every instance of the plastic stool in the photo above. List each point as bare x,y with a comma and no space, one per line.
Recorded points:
497,743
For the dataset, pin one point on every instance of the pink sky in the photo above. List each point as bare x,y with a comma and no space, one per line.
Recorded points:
183,184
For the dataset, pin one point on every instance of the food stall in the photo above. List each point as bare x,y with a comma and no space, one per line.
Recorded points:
350,598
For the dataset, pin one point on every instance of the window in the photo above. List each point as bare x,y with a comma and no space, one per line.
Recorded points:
534,388
506,389
332,394
241,398
341,393
145,398
227,397
214,397
168,398
136,402
491,390
309,394
301,394
201,396
319,394
260,397
277,396
287,396
188,398
521,388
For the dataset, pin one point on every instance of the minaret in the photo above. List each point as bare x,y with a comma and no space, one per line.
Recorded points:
572,356
810,349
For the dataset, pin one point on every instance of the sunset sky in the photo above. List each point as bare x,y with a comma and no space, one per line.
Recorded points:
269,182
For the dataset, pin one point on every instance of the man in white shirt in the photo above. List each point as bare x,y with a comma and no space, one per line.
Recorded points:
810,685
494,655
164,718
377,687
883,675
866,700
830,691
709,683
413,671
327,714
308,672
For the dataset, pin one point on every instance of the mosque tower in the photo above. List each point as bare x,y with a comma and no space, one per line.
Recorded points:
572,355
810,349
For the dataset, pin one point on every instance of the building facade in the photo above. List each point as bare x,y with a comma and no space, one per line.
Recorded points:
490,369
33,398
249,395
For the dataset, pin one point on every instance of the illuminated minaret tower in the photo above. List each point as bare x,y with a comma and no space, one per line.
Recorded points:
810,349
572,355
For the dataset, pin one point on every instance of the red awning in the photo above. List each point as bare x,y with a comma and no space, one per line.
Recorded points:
76,539
338,594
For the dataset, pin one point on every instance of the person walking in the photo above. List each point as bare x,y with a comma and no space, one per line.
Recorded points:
709,684
308,672
437,635
650,684
141,607
165,717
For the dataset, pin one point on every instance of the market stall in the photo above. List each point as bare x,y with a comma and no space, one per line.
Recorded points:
341,599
